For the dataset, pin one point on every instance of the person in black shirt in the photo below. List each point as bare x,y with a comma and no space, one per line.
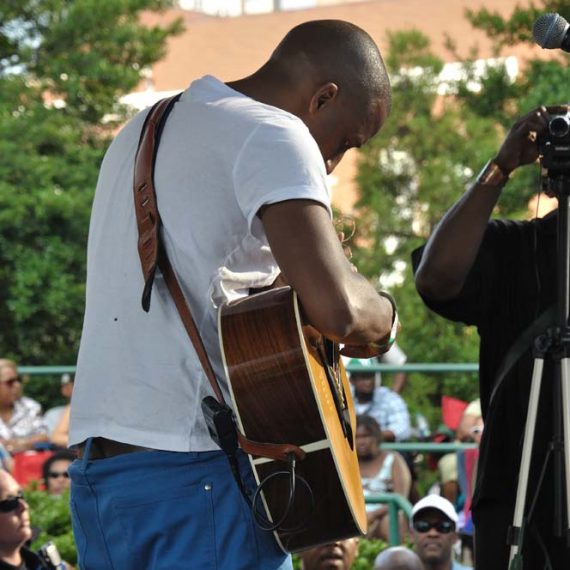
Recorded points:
500,276
16,532
15,529
28,561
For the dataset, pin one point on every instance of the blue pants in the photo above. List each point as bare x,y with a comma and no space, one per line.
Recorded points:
160,510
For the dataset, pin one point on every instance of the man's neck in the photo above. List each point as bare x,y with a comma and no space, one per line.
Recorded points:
268,87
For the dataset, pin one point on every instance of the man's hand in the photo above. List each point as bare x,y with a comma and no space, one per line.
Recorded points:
519,147
382,346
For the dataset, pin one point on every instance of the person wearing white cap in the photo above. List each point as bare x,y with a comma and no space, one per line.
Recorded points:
434,532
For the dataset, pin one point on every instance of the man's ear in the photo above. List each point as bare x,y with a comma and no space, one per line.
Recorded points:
323,96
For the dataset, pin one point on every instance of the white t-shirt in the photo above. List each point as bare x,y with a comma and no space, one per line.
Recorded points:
222,156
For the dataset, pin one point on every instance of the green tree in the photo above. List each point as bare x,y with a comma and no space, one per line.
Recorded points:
408,175
51,516
421,162
63,66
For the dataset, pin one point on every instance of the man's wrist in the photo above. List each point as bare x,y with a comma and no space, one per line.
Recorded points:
492,175
385,344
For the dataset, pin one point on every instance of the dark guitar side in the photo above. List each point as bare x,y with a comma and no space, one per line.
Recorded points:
281,395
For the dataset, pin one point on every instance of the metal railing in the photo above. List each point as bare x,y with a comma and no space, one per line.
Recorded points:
45,370
427,447
417,367
429,367
396,503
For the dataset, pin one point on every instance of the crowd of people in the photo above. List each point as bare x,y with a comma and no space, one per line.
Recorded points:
440,528
23,426
432,538
26,432
382,416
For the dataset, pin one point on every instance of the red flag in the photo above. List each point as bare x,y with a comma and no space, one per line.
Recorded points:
451,411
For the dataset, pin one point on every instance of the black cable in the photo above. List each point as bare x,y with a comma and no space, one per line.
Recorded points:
262,521
534,530
539,484
259,518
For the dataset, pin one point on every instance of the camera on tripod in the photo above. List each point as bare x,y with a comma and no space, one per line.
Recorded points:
554,146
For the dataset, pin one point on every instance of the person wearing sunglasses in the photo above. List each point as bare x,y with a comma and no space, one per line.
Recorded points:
16,532
434,533
21,423
15,529
54,472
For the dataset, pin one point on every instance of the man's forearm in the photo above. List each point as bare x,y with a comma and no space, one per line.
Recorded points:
452,248
18,444
399,382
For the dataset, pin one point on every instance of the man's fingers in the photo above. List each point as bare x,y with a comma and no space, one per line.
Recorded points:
558,109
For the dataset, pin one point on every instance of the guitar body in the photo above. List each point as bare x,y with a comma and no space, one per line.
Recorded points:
288,386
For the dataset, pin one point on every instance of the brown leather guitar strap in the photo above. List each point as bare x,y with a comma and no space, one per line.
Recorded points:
153,254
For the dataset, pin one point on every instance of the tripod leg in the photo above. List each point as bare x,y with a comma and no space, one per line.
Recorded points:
515,533
565,368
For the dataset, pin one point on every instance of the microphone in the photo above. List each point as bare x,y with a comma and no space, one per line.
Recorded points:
552,31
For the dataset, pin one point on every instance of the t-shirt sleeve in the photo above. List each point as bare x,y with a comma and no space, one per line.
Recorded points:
483,287
395,356
279,161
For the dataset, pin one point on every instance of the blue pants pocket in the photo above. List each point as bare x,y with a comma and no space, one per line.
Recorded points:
168,529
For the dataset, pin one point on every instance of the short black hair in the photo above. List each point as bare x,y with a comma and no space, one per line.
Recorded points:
341,52
369,423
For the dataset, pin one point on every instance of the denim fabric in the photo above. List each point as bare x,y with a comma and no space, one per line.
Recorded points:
159,510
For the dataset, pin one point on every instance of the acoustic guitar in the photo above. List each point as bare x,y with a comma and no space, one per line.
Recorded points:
289,386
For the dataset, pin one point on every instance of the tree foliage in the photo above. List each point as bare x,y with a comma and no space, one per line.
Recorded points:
51,516
426,155
63,66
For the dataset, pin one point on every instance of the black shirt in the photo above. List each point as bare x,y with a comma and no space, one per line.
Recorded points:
511,282
30,561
